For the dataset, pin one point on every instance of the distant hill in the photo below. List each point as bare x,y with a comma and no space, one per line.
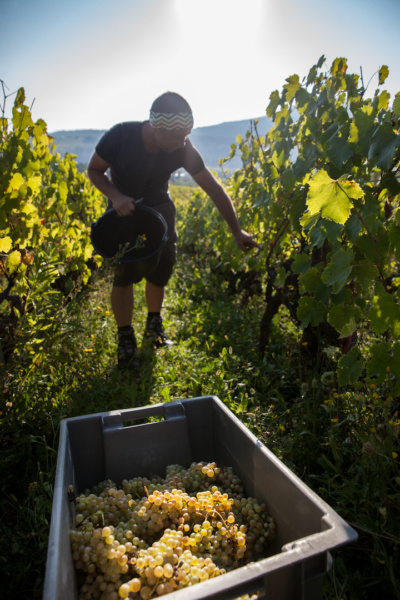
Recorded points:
213,142
80,142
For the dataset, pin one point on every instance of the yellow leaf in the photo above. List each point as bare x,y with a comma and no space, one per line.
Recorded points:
13,261
5,244
16,182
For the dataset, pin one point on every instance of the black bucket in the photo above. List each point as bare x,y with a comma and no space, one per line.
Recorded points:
137,239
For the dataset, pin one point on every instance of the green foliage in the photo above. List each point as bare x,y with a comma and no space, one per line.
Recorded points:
322,186
46,209
321,192
345,445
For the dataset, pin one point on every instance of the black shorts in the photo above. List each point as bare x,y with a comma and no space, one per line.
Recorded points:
125,273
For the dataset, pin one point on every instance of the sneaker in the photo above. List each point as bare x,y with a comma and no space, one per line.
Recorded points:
128,357
155,332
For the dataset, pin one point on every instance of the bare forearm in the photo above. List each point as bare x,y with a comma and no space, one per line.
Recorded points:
226,209
123,205
101,181
224,204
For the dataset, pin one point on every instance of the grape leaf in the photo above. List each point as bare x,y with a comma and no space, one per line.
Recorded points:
384,313
15,182
273,104
383,74
288,179
301,263
309,221
5,244
394,236
20,98
13,261
391,184
21,119
311,75
353,228
349,367
27,208
362,127
396,106
352,85
379,361
325,230
338,269
304,100
310,310
303,165
309,281
63,191
383,100
365,275
281,276
339,65
366,247
34,183
342,318
281,153
331,197
291,87
33,167
339,150
383,146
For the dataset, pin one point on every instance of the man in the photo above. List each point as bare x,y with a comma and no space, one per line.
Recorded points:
141,157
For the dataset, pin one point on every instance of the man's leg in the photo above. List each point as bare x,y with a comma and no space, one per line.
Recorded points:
154,297
154,326
122,304
122,307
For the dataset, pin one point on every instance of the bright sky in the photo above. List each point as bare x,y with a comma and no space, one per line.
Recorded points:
88,64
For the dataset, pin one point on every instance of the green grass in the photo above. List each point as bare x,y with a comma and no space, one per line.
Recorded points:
342,443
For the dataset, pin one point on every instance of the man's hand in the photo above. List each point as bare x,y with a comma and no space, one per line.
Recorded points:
123,205
206,180
245,241
97,168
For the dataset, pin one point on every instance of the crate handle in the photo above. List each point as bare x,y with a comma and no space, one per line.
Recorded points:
168,410
144,447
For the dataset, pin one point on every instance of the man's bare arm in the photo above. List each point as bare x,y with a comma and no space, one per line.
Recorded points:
206,180
97,169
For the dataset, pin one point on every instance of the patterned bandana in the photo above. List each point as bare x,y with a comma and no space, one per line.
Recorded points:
171,120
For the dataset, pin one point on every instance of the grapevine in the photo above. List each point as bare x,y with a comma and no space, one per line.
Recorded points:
47,207
321,191
151,536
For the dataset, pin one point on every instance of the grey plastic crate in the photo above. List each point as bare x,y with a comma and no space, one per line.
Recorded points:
123,444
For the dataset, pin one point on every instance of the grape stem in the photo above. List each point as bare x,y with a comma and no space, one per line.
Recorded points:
98,512
214,510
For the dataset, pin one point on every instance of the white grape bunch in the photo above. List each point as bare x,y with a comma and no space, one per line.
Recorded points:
154,535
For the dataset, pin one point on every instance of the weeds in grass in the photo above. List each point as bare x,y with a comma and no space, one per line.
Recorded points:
344,443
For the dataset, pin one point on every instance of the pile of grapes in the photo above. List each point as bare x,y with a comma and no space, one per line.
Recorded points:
157,535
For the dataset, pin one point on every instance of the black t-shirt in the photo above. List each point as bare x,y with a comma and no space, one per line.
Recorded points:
141,174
